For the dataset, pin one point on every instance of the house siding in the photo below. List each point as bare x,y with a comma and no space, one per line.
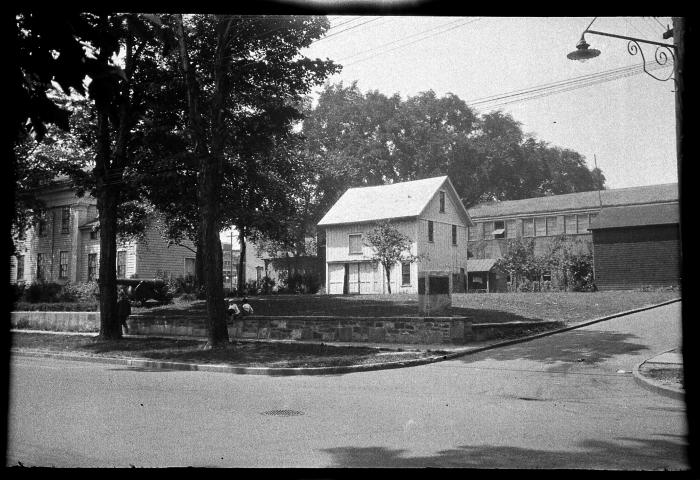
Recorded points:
153,258
634,257
142,260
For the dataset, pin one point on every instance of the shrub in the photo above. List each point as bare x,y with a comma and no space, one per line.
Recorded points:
43,292
267,286
300,283
16,292
187,297
82,292
57,307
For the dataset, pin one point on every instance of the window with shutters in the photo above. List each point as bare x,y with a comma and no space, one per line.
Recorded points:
355,243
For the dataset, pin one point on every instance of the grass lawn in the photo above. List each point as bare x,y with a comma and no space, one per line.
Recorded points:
568,307
249,354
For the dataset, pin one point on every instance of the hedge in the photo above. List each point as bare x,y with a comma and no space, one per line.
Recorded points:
57,307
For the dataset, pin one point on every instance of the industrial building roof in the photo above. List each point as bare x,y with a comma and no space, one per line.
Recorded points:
662,193
636,216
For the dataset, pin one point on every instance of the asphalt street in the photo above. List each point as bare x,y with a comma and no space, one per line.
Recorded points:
564,401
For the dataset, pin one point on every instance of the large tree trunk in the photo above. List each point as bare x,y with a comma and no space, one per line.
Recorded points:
107,200
241,260
210,174
209,187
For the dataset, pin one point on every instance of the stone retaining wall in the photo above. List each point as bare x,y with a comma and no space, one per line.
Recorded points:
405,330
57,321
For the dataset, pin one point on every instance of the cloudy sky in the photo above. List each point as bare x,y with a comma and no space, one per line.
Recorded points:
605,106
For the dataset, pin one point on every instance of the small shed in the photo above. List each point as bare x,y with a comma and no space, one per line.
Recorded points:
637,246
484,276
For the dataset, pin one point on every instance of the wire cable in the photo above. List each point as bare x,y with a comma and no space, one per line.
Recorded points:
414,42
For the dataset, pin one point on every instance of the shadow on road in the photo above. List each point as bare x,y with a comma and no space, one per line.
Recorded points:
576,346
623,453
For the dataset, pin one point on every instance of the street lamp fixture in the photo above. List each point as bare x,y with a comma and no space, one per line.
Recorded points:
664,51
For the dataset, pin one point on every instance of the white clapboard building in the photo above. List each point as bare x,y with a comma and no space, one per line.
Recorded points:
428,211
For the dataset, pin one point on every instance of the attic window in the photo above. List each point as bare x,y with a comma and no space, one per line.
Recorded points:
442,202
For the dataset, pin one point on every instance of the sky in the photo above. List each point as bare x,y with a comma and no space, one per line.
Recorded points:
626,125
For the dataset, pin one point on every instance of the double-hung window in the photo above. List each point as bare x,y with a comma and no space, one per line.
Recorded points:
121,264
65,220
20,268
355,243
405,273
41,266
63,265
92,267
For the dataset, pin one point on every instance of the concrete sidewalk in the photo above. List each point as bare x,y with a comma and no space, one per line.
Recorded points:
662,373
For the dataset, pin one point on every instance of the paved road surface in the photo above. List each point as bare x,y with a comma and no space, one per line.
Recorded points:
556,402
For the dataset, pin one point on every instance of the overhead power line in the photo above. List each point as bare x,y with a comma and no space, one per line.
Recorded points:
348,28
450,23
413,42
560,87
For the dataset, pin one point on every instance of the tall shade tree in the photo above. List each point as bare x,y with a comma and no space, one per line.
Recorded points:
238,71
64,49
389,247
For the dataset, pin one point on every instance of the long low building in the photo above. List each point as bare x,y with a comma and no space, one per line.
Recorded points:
542,219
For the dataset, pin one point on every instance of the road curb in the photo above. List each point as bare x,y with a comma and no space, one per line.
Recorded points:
272,371
559,330
290,371
653,385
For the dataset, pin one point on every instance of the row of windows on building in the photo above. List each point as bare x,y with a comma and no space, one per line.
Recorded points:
355,239
65,224
42,264
532,227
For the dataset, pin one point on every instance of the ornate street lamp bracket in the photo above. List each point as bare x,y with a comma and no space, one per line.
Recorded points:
663,53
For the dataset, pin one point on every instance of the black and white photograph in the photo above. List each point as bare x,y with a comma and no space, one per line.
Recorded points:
347,238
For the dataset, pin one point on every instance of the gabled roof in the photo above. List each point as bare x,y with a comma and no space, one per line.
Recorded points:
480,264
397,200
579,201
637,216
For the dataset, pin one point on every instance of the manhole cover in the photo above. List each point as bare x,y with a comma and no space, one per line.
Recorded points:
283,413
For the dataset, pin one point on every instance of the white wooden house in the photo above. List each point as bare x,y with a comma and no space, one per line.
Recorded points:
65,246
428,211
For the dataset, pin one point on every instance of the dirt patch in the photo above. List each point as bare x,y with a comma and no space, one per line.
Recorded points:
246,354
